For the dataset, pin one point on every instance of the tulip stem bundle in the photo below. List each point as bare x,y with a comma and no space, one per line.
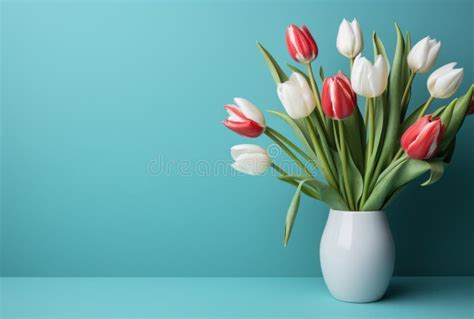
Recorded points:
366,160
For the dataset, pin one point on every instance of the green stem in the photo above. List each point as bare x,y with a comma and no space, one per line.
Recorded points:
298,150
426,106
279,169
405,94
314,87
344,162
290,153
369,150
320,153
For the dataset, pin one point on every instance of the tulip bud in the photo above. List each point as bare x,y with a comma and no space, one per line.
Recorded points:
369,80
250,159
296,96
349,38
443,82
471,107
423,138
245,118
301,44
338,98
423,55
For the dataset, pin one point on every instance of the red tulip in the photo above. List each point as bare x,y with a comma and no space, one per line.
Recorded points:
471,107
423,138
339,100
301,44
245,118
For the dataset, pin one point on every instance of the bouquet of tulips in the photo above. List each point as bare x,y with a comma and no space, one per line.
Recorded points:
365,159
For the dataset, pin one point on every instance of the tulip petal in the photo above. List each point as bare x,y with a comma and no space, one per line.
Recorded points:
237,150
252,163
250,110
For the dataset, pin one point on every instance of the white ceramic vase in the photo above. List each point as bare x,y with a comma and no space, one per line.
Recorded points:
357,255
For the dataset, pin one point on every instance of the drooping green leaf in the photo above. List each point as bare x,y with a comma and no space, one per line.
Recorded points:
299,130
277,73
292,211
307,189
328,195
437,170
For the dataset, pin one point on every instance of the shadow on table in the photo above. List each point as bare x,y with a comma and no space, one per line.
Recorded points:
418,288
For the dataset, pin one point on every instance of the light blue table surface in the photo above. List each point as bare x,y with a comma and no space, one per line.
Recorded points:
408,297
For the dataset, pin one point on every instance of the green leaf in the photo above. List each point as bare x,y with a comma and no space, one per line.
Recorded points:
447,113
310,189
379,48
460,108
277,73
447,154
355,178
292,211
328,195
437,170
297,70
321,74
356,137
395,176
396,87
299,130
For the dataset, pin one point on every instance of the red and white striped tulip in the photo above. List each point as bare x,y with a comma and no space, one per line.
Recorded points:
338,98
245,118
423,138
301,44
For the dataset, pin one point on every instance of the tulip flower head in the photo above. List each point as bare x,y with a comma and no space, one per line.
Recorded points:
296,96
338,98
369,80
423,138
245,118
444,82
349,39
423,55
301,44
250,159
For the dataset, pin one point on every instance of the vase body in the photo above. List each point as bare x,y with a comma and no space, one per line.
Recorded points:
357,255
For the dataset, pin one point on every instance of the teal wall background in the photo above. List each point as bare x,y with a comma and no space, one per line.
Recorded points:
95,92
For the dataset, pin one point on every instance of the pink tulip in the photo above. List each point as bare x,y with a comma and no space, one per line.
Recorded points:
423,138
301,45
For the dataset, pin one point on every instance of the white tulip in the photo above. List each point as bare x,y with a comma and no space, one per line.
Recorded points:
369,80
443,82
250,159
296,96
349,38
423,55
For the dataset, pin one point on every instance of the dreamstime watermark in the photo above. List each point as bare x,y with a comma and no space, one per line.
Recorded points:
161,166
